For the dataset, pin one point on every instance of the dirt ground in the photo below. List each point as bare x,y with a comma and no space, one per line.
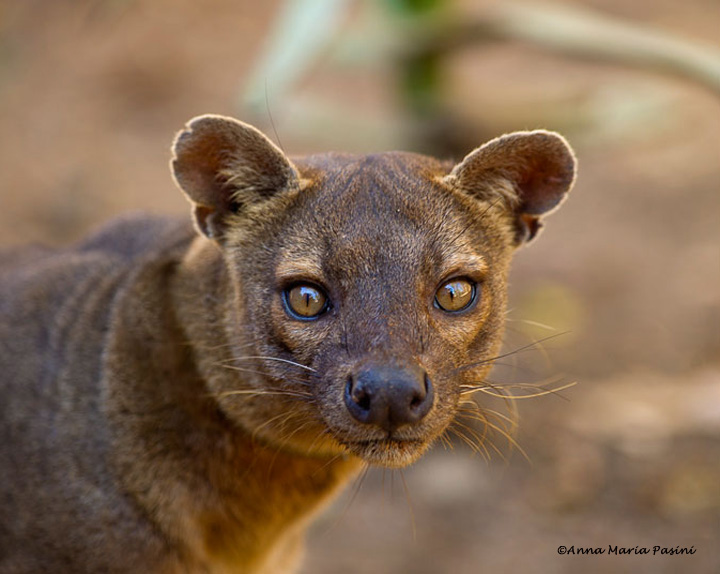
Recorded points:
627,273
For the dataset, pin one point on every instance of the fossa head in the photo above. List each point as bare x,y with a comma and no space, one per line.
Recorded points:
368,291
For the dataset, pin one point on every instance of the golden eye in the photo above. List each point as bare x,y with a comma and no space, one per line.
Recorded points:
306,301
455,295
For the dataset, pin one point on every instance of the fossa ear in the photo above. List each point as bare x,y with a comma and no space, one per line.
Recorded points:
530,172
223,165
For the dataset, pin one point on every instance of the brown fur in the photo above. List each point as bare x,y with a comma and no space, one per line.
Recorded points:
162,412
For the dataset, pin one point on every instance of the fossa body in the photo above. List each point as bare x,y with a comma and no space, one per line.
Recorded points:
180,398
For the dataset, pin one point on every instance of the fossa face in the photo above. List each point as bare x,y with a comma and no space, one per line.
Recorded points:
369,291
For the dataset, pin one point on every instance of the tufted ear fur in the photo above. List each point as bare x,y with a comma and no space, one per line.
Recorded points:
531,172
223,165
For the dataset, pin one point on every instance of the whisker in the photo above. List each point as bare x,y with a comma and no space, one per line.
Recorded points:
458,433
283,441
506,385
240,369
447,443
257,429
508,354
511,421
359,479
260,392
481,439
492,445
487,442
479,442
516,368
532,323
266,358
511,441
329,462
409,503
256,372
469,409
488,390
482,418
506,397
320,435
463,437
216,347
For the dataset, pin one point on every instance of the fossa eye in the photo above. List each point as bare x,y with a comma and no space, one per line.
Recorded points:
305,301
455,295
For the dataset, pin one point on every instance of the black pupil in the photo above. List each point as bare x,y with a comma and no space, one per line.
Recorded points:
455,295
306,300
308,294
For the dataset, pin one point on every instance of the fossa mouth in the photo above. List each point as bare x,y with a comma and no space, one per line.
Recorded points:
389,452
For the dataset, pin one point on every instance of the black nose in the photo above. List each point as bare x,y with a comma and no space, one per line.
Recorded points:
389,397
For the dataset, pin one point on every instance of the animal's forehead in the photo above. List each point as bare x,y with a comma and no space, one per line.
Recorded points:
385,212
356,193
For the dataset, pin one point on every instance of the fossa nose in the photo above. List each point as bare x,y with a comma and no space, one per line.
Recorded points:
388,396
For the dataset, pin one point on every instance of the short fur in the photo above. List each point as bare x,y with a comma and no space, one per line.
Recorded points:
161,410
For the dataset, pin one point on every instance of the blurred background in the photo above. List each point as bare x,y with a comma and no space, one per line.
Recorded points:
625,280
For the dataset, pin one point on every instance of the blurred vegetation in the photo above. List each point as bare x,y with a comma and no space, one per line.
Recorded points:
417,37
